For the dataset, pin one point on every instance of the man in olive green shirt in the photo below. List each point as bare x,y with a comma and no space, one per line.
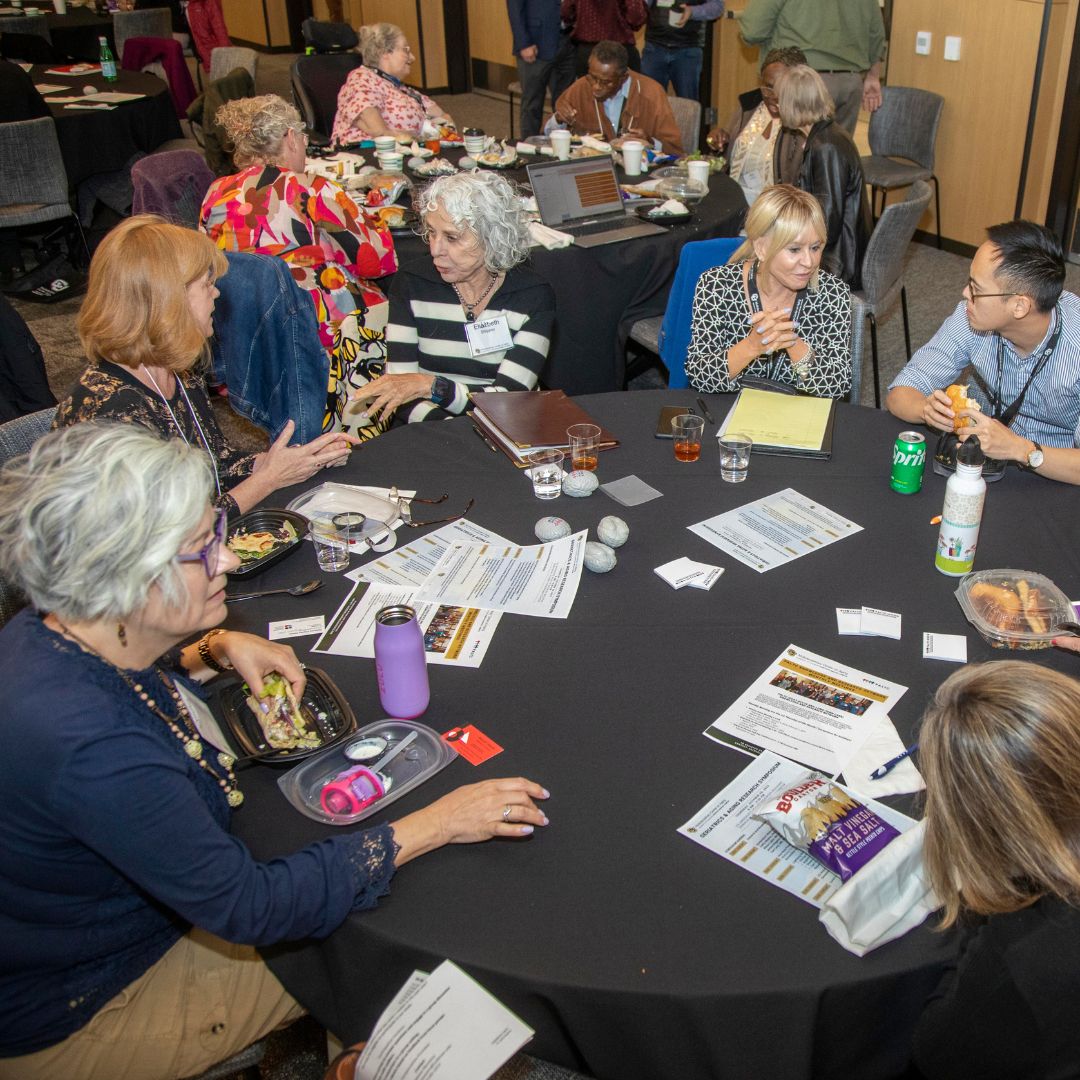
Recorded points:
844,41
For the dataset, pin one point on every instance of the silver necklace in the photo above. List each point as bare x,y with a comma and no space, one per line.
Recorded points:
194,416
470,309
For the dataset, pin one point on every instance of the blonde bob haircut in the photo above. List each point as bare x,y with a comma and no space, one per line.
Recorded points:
802,98
136,308
377,40
1000,751
256,127
780,214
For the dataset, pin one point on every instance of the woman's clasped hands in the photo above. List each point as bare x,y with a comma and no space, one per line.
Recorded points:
284,465
772,330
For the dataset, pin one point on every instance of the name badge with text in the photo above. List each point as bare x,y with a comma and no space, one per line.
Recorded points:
489,335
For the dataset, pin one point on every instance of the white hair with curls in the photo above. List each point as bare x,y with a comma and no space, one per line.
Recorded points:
92,517
487,205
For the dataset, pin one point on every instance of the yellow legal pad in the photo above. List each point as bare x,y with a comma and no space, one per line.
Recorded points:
782,422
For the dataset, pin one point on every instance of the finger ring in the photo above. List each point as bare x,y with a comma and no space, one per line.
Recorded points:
506,812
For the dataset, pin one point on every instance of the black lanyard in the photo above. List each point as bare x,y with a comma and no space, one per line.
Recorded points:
1007,414
408,91
775,365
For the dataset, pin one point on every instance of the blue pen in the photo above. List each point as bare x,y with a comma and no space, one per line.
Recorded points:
883,770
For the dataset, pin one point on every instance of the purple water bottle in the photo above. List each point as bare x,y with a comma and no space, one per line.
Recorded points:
400,663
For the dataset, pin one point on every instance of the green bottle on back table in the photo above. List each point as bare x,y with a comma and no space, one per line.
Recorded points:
108,61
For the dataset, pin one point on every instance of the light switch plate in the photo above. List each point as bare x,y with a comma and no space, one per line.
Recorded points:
923,39
952,48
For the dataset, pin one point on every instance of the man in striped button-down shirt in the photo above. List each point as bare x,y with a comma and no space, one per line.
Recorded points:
1016,329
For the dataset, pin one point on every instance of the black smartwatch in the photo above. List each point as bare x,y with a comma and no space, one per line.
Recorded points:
442,391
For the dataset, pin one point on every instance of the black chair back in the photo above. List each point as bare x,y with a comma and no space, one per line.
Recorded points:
316,82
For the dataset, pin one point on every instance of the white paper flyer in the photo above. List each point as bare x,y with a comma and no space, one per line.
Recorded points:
807,708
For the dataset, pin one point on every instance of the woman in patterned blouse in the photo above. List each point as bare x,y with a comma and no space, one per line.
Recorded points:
144,326
273,207
771,312
375,100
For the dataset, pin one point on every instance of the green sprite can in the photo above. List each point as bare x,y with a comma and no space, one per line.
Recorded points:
908,462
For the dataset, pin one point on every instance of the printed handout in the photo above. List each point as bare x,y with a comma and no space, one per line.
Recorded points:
775,530
726,827
540,580
453,635
807,708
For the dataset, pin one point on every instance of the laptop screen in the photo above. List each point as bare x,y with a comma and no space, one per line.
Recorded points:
568,192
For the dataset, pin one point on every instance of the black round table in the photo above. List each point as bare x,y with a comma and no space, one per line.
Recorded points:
75,33
633,952
96,141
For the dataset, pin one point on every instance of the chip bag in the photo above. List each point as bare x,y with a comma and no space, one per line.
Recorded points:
822,818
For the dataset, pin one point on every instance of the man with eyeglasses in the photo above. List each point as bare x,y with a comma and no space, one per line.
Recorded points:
617,104
1019,334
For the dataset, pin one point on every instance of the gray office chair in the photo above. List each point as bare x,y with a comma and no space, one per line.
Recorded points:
906,127
883,267
151,22
33,181
226,57
858,335
16,437
688,117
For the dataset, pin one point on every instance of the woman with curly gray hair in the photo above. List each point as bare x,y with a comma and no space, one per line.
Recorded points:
129,910
475,319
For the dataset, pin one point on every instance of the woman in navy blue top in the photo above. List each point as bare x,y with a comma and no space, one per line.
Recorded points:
116,815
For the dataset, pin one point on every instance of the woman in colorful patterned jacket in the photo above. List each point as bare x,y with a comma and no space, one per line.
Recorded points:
273,207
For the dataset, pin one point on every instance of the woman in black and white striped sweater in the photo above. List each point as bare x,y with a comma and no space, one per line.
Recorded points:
475,319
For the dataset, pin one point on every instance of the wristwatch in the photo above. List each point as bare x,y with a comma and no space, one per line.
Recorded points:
1035,458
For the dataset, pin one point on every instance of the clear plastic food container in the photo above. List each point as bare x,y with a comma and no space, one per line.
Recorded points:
1014,609
357,780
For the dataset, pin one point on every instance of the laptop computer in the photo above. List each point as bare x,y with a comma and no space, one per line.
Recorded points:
581,197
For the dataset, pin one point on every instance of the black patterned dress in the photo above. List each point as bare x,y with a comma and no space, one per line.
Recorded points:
108,391
721,319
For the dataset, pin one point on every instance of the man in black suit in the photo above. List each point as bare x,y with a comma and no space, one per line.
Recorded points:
545,56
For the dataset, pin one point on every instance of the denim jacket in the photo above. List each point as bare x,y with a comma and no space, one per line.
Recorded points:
267,348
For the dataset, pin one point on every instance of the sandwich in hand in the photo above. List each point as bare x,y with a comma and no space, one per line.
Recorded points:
283,722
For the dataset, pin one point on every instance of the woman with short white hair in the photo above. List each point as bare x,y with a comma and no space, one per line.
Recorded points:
375,99
438,353
128,910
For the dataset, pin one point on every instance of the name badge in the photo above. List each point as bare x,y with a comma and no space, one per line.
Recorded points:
489,335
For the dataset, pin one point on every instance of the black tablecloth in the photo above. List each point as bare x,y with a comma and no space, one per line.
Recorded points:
76,33
601,292
632,951
96,141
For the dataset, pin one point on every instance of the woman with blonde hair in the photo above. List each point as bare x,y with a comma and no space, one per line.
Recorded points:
771,312
144,326
825,162
375,99
1000,751
333,248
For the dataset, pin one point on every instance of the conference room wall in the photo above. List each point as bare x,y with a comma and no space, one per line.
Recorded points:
987,96
257,22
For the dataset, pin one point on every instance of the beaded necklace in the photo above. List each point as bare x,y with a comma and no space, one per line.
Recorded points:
470,309
187,734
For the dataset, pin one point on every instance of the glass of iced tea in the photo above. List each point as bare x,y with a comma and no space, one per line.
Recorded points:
686,435
584,446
